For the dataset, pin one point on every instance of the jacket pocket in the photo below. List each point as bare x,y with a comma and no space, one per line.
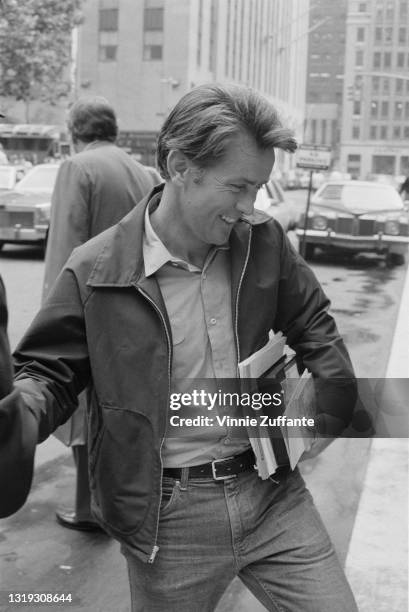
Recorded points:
122,469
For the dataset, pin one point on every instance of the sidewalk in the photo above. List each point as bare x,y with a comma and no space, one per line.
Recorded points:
377,561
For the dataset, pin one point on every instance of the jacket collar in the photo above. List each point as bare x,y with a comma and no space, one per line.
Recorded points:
120,261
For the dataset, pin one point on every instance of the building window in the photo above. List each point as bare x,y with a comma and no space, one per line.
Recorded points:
399,86
396,131
387,59
375,83
152,52
323,131
386,85
108,20
314,130
384,132
356,132
357,107
398,110
400,60
378,35
385,108
388,35
362,7
374,108
402,35
373,132
153,19
199,34
389,11
404,160
334,132
403,9
406,131
354,165
406,110
377,59
359,58
360,34
107,53
213,36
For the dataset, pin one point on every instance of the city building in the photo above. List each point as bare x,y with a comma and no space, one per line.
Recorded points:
143,56
375,124
325,74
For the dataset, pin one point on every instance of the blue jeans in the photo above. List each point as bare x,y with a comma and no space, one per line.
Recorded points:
270,535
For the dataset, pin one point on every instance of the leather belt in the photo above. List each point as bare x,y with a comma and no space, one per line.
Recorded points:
219,469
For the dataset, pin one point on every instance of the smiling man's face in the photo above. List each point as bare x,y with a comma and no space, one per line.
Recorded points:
213,203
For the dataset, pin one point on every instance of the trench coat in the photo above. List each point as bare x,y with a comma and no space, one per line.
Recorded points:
93,191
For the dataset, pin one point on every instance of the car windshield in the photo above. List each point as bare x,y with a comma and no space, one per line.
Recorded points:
40,178
6,177
365,197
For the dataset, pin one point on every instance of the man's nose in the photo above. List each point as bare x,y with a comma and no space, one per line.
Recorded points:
245,203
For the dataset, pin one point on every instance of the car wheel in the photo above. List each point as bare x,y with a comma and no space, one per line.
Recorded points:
394,259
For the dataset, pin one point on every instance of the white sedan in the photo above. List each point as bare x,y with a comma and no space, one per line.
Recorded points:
25,210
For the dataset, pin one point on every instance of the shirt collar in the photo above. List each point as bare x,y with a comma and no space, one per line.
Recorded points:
155,254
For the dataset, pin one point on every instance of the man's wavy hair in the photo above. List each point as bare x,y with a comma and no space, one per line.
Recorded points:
205,119
92,118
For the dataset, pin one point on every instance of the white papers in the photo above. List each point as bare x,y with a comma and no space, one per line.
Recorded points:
262,360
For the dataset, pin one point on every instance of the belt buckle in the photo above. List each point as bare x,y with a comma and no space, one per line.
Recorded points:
215,477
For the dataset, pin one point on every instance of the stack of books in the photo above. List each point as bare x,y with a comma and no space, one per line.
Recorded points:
271,368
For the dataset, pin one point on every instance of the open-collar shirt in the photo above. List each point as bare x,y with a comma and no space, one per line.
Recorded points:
198,303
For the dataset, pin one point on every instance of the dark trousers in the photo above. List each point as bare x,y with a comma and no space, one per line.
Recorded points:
82,491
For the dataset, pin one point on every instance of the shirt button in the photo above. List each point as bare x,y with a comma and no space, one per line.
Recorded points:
213,321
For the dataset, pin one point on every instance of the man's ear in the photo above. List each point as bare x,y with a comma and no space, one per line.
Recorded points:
178,166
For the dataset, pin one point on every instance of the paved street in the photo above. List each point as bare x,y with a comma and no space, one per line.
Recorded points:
36,555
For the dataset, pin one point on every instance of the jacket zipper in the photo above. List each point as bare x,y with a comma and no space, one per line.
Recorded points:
236,307
155,547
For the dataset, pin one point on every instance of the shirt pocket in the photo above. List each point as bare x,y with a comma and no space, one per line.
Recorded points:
178,327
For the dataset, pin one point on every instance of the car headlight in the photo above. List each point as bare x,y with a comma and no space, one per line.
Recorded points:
42,216
392,228
319,223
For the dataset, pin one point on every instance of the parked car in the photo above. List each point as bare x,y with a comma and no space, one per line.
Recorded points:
25,210
357,216
272,200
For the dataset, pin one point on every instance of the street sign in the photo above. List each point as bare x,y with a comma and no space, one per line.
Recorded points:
313,157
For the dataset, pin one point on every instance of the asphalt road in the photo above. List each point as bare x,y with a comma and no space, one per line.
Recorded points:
36,555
